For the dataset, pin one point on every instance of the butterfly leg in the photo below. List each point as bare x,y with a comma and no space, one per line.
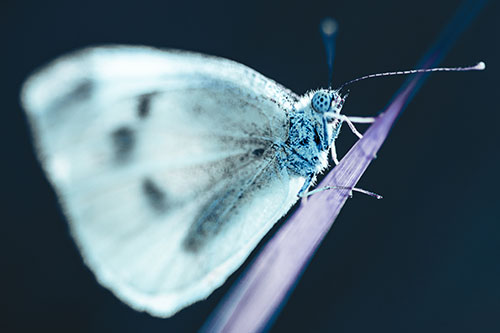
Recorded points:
351,189
351,120
352,127
334,153
305,188
360,120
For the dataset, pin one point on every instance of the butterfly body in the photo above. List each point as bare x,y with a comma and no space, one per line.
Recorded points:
171,166
309,138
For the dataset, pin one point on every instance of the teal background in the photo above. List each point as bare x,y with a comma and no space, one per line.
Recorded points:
423,259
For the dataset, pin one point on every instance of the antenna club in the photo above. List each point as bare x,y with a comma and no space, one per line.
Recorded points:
480,66
329,26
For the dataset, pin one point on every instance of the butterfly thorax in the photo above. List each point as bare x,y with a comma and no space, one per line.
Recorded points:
309,138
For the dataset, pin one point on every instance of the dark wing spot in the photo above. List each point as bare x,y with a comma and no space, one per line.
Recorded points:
123,140
82,90
79,92
155,196
197,109
258,152
209,222
144,105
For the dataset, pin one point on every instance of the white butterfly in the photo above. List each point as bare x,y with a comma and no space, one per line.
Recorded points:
171,166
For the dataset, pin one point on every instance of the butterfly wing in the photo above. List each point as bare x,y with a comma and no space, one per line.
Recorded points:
166,164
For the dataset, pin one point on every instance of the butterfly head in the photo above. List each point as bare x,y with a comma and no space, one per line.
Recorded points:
327,101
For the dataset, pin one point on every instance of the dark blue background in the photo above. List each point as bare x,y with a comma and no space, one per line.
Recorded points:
424,259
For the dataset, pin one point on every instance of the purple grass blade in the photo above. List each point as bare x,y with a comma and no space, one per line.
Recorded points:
258,296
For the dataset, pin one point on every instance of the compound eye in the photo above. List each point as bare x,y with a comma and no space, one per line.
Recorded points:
321,101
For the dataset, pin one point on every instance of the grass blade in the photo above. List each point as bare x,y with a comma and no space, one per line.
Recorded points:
256,299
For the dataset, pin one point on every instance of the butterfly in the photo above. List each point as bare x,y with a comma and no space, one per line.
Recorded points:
171,166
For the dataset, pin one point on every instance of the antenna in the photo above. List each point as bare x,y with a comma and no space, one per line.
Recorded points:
328,29
478,67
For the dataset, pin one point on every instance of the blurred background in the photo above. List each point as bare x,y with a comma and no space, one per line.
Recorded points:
425,258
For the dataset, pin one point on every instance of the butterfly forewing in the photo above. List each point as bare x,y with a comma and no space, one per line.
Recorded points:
165,163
